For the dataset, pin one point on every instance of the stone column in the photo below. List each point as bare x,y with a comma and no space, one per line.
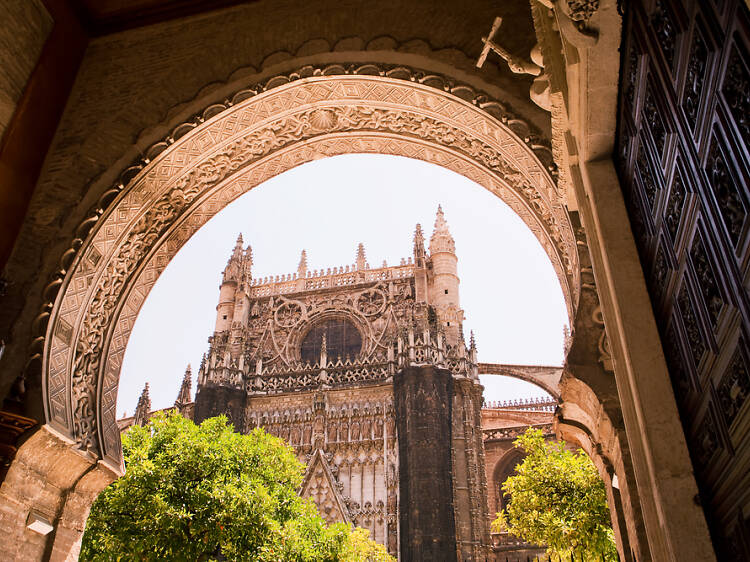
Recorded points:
423,396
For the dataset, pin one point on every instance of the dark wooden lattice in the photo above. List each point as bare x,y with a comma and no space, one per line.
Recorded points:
683,130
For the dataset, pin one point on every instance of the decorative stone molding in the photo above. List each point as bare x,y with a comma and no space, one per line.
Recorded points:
157,204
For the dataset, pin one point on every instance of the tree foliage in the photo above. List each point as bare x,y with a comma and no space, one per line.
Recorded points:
207,493
556,498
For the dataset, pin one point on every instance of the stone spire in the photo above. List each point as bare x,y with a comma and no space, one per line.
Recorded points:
361,259
183,397
419,251
441,240
235,265
237,253
143,408
302,267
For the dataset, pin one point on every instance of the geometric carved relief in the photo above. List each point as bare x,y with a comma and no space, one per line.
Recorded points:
734,386
201,168
320,485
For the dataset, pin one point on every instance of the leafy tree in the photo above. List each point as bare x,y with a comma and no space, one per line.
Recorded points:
207,493
556,498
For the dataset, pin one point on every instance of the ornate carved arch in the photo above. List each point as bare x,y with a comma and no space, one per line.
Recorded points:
232,147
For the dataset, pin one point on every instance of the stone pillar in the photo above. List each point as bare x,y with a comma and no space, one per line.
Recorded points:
213,400
674,523
48,481
423,397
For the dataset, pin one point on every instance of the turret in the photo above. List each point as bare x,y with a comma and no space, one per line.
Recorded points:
183,397
233,301
444,281
143,408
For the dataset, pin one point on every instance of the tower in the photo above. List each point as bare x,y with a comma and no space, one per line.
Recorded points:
221,375
365,373
443,293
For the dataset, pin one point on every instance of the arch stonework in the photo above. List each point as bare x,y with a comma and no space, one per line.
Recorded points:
232,148
581,71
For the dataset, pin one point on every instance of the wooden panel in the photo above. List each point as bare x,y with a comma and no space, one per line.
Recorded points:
684,164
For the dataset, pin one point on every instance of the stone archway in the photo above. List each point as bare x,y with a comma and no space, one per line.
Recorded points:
232,147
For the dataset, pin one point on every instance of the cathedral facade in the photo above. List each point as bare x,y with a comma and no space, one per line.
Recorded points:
365,373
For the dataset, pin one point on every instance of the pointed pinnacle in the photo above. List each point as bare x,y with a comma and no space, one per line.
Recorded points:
440,223
361,256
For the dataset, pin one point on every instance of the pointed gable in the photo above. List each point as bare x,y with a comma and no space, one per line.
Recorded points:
319,484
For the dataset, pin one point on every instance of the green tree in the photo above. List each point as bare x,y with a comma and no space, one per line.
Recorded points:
557,499
203,492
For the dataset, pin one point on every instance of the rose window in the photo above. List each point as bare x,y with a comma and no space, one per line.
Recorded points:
342,340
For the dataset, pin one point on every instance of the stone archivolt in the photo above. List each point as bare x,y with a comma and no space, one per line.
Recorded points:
178,191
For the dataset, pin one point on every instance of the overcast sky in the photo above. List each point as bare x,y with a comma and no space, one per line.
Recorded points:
509,292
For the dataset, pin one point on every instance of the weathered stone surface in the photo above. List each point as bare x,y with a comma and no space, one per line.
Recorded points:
423,398
26,25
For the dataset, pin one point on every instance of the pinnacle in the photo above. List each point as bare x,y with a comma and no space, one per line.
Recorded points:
441,224
302,267
418,235
361,259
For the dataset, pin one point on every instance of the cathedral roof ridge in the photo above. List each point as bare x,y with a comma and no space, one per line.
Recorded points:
315,279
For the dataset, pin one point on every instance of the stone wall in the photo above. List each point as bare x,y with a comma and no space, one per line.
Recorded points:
26,25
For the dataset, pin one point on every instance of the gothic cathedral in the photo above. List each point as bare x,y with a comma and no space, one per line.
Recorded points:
366,373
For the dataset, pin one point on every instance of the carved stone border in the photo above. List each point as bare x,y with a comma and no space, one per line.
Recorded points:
182,181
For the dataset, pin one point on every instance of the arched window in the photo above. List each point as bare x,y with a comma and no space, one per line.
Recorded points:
505,469
342,340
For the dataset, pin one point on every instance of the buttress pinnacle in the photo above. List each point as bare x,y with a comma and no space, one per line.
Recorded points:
143,408
302,267
183,397
361,260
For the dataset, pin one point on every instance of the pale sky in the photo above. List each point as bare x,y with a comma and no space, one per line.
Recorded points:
509,291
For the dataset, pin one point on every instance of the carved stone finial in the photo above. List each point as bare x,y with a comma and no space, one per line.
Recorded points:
302,267
441,239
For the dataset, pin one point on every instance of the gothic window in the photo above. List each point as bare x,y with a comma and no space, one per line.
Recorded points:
342,340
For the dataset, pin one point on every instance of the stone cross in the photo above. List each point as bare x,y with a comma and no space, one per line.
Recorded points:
516,64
